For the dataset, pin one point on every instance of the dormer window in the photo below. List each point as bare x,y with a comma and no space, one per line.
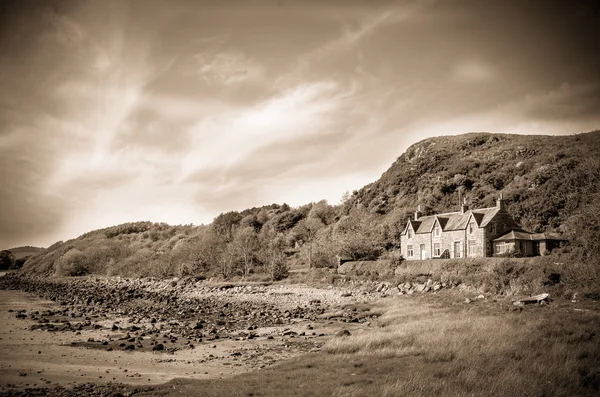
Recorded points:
437,231
409,233
471,227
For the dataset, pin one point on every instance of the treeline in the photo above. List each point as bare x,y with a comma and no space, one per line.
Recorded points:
264,241
549,184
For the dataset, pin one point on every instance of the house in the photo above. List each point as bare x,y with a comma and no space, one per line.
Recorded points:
479,233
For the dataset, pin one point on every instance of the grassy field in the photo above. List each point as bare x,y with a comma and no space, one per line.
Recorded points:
440,345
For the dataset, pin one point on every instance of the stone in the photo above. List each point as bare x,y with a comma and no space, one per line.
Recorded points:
343,333
158,347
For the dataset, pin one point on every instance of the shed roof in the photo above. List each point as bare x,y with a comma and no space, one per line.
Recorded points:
520,234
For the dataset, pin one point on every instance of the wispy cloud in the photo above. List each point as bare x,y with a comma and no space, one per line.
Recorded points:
228,68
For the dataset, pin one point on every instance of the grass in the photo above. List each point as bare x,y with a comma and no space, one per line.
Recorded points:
436,345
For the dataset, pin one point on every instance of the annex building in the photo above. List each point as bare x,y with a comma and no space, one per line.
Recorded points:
483,232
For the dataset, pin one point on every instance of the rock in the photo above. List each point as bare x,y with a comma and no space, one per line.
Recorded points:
158,347
467,300
343,333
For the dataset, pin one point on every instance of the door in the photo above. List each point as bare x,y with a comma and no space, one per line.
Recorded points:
457,249
422,251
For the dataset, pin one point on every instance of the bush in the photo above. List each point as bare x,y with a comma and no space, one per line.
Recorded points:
279,270
72,263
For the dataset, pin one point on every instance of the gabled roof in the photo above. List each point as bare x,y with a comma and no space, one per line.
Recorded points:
415,226
488,215
443,220
478,217
454,220
427,223
458,221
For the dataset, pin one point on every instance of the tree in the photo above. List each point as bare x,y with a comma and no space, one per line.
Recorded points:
272,256
323,212
245,243
306,231
202,253
225,224
7,260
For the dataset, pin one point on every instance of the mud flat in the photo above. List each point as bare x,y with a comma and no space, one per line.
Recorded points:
97,331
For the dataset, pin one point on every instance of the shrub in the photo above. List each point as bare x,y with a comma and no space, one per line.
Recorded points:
72,263
279,270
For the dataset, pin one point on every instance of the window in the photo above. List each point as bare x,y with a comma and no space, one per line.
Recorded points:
437,231
409,233
437,250
472,247
493,228
409,250
471,227
502,247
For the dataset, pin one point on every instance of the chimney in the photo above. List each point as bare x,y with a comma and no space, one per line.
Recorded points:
500,202
464,207
418,212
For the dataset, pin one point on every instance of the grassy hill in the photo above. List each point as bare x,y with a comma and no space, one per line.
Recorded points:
550,183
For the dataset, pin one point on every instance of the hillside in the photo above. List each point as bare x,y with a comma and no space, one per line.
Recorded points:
545,179
549,183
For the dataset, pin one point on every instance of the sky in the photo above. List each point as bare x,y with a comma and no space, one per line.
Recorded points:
176,111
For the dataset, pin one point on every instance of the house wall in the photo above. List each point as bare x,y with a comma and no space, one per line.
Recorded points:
478,235
448,239
416,241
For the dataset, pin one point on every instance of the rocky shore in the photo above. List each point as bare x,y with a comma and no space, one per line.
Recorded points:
201,325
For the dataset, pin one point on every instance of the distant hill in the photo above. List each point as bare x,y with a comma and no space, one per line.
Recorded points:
14,258
550,183
22,252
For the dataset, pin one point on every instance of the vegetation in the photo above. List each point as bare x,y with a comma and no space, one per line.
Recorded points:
550,183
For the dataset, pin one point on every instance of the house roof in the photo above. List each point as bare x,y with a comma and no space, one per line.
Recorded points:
426,224
415,225
520,234
454,220
487,215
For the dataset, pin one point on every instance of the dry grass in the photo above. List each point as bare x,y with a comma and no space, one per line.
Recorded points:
439,346
465,354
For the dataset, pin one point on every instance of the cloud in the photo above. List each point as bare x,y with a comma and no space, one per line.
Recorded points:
227,68
348,39
473,72
225,138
